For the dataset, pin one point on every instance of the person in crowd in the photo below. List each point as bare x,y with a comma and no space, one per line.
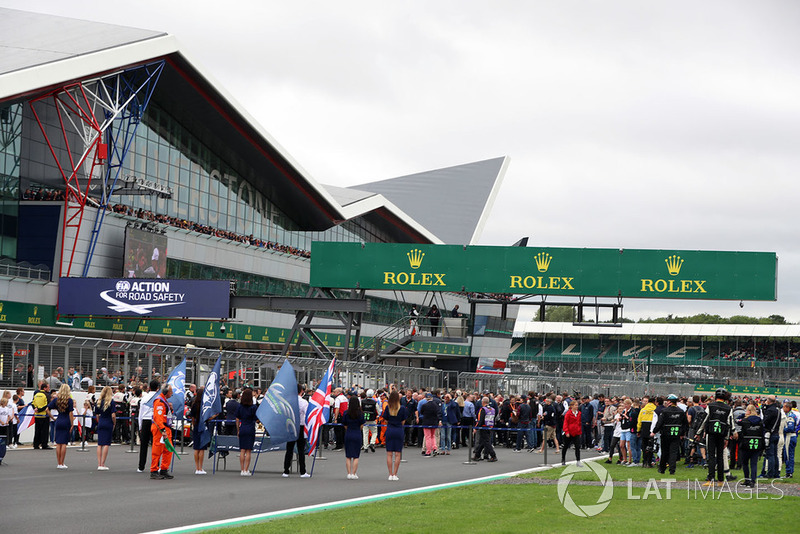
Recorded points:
573,428
300,442
772,420
161,429
395,416
146,422
549,410
41,417
430,418
625,432
369,406
468,413
85,418
752,443
607,421
790,424
340,407
616,437
717,427
246,430
6,416
733,444
483,428
587,422
353,421
450,415
53,417
409,402
106,421
64,406
198,448
133,409
231,409
434,316
646,421
673,425
11,428
524,414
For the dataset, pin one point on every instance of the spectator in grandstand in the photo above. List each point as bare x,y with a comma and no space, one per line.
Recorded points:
353,421
300,442
246,430
64,407
395,415
790,424
573,428
106,421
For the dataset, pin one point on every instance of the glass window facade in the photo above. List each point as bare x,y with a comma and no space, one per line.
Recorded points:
10,142
209,190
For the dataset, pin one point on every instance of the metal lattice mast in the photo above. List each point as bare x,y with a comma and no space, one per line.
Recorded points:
86,111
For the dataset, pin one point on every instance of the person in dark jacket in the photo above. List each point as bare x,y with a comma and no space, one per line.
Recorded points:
587,422
751,443
434,315
483,427
672,424
430,418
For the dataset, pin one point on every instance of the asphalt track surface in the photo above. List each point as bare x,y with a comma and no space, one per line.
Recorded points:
37,497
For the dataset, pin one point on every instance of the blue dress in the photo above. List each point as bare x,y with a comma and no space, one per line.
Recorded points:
105,424
63,426
353,440
394,429
247,428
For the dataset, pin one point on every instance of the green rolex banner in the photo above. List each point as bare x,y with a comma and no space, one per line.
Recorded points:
681,274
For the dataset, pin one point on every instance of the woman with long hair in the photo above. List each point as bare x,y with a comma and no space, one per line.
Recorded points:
198,447
106,419
64,406
395,416
246,425
353,440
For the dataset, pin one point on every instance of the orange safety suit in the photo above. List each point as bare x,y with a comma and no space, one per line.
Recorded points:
162,417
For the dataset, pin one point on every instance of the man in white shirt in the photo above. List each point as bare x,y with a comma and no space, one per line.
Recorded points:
145,421
301,439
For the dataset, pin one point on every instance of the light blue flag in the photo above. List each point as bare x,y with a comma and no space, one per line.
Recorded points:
212,404
177,379
280,411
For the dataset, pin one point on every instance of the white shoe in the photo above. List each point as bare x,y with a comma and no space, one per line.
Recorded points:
201,472
102,468
139,470
305,475
395,477
391,477
349,476
355,477
285,475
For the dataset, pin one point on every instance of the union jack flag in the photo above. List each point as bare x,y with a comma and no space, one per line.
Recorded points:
319,408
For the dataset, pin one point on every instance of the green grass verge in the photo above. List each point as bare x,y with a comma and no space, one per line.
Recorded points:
500,508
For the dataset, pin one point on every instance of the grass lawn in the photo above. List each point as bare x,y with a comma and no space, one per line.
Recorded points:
499,508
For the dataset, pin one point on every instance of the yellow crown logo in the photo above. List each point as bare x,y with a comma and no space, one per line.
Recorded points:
35,310
415,258
674,264
543,260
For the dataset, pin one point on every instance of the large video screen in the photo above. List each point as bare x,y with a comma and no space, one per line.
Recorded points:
145,254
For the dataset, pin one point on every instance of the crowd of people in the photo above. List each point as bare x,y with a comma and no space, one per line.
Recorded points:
716,434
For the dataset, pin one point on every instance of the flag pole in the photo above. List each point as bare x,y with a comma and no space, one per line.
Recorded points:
260,448
316,450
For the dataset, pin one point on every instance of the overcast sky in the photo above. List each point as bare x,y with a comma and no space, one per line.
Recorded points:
629,124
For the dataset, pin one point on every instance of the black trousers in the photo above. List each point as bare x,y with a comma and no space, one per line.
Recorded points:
145,438
587,435
750,463
484,444
715,448
339,432
301,453
466,422
669,453
575,441
41,429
